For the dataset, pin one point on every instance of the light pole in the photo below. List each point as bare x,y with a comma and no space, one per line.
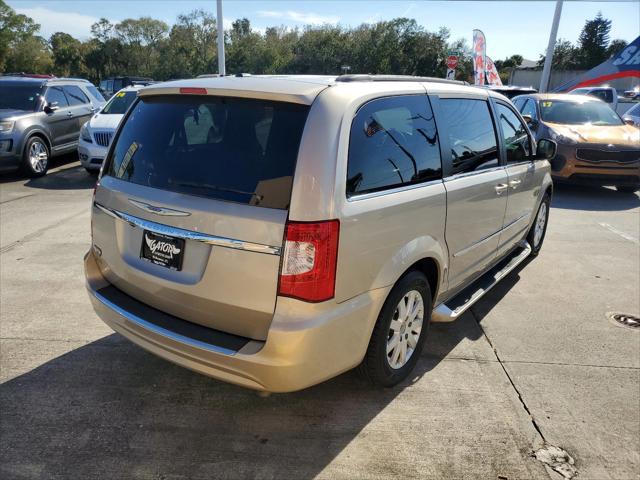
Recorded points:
220,27
546,71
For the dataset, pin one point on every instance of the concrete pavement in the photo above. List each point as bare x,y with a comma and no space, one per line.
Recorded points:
535,361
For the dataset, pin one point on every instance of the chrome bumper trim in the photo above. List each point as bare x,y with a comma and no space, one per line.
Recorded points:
189,234
140,322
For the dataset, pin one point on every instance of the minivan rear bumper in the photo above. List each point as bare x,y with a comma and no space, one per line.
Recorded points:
306,344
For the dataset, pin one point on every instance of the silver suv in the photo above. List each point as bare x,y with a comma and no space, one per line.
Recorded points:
276,231
41,118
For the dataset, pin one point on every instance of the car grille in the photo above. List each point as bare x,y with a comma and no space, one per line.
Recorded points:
103,138
596,155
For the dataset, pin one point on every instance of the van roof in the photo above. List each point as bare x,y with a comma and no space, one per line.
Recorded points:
301,89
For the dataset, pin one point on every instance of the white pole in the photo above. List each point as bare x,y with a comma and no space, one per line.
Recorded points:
220,27
546,71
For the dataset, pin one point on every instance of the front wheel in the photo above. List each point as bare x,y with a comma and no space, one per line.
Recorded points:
399,333
627,188
539,228
35,159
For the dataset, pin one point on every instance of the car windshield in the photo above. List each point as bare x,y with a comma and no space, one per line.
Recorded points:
20,97
119,104
233,149
578,113
635,110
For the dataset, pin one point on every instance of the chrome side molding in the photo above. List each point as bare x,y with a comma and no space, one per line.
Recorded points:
223,242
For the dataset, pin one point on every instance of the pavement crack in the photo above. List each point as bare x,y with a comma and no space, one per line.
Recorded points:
17,198
551,456
39,232
504,369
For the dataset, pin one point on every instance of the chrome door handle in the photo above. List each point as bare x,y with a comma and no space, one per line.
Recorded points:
501,187
514,183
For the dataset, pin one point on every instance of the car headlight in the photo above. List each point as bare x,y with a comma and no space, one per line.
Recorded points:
563,139
6,126
85,134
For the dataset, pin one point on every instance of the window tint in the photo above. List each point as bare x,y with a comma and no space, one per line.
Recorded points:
19,97
95,93
604,95
529,109
119,103
110,85
118,84
518,102
55,94
393,142
239,150
517,142
472,138
75,95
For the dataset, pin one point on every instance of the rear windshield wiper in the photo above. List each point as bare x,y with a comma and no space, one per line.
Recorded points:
219,189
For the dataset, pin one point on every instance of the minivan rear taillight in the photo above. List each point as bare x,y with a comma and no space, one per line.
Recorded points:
309,260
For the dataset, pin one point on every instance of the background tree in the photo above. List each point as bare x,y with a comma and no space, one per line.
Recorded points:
15,30
593,41
68,58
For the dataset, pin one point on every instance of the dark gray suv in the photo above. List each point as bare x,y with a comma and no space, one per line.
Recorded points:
41,118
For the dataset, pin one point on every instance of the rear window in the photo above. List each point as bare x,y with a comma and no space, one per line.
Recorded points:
233,149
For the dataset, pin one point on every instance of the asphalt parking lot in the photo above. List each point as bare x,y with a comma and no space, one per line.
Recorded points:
535,362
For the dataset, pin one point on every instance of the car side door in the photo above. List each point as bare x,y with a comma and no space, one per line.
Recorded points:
476,184
58,118
517,149
79,106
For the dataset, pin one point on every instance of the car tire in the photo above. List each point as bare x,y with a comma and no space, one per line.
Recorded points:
627,188
380,366
35,157
538,230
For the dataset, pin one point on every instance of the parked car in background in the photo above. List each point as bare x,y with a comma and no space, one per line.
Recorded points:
511,91
595,147
41,118
276,231
632,117
111,85
96,134
608,95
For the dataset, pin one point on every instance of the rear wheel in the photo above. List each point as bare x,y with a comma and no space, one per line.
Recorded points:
627,188
35,159
539,228
400,332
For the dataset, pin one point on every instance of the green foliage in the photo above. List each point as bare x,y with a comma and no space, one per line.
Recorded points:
592,49
15,30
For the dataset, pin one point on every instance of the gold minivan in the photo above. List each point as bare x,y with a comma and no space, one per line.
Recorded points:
275,231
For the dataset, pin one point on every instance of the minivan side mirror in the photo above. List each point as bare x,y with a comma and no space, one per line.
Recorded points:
51,107
546,149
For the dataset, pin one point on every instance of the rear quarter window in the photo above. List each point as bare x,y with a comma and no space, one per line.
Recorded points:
232,149
393,143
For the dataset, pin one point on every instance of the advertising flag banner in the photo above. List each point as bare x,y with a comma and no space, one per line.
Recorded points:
624,64
479,57
493,78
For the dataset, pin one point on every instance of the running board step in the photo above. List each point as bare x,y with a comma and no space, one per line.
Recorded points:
456,306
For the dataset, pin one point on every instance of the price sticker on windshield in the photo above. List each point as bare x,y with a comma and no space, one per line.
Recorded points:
547,104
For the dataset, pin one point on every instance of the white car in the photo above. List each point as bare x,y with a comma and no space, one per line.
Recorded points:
96,134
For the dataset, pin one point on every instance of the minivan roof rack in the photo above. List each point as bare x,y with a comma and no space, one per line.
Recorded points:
394,78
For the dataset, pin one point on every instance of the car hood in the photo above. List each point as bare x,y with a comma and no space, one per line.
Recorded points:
10,113
105,122
624,135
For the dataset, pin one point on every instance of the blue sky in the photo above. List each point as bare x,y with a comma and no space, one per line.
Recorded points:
510,26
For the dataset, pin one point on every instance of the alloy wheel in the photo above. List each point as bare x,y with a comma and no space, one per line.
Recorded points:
404,330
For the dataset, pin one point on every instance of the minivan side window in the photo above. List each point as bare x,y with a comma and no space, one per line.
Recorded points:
75,95
516,138
472,137
393,142
56,95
